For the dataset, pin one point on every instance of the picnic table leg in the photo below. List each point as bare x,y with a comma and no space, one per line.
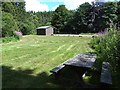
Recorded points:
83,84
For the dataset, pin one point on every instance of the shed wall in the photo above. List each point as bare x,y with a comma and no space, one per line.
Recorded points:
49,31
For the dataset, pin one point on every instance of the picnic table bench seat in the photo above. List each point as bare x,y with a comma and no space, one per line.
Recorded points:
57,69
105,74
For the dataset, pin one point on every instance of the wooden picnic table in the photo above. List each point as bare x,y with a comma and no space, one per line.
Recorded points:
79,64
74,69
81,60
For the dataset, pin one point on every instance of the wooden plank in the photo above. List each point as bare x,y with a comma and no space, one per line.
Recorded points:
82,60
105,73
58,68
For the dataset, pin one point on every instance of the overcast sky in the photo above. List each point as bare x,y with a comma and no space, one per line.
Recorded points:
47,5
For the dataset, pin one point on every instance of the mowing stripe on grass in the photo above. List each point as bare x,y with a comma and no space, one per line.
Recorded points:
60,47
20,57
70,47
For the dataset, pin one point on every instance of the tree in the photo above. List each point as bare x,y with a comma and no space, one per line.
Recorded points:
28,28
20,14
84,14
44,18
81,19
29,24
69,27
110,9
105,16
0,21
8,7
9,24
60,18
118,15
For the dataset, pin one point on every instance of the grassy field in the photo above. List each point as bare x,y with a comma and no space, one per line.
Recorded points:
27,63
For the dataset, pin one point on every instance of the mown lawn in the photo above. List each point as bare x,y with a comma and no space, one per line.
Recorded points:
27,63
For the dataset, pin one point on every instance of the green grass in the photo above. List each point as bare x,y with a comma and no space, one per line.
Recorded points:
10,39
27,63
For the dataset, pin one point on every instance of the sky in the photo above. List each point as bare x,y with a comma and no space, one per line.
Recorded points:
51,5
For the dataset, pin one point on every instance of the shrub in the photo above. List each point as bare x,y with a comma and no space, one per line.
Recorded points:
8,39
17,35
107,47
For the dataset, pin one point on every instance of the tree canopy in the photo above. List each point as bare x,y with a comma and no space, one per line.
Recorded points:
86,18
15,18
60,17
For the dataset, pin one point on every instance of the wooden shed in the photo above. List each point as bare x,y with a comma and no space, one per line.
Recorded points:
45,30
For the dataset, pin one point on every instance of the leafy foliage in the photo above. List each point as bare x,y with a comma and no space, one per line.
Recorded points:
108,48
9,24
9,39
60,17
82,18
15,18
94,18
86,18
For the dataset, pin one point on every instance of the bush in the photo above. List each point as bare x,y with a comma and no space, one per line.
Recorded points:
15,37
107,47
9,39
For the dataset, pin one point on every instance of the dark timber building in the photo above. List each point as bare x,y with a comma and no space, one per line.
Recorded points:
45,30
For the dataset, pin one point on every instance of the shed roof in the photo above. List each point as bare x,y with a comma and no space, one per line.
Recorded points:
43,27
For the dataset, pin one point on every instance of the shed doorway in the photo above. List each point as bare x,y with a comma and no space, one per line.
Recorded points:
41,32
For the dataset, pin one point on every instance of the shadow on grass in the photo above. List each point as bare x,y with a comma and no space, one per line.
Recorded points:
24,79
